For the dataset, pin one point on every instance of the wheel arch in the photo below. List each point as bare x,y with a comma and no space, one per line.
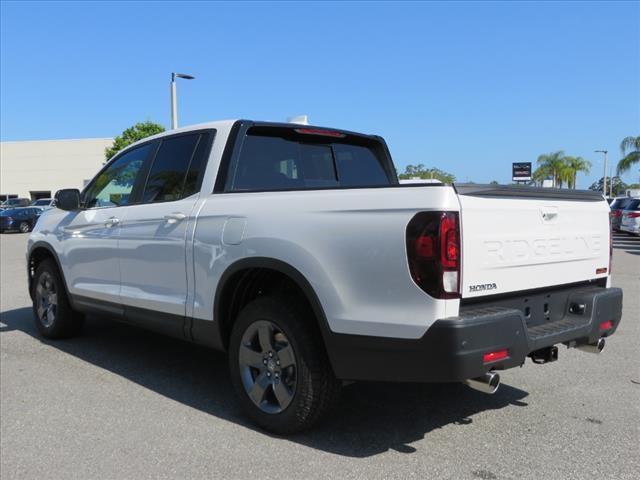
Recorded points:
38,252
226,298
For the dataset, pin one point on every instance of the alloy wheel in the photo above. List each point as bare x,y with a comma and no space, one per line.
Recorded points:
46,299
267,366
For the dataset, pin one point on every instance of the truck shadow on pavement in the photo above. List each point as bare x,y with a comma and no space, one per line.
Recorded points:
371,418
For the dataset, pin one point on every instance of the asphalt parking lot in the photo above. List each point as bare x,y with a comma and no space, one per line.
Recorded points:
122,403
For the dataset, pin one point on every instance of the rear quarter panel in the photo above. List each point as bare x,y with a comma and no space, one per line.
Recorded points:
349,244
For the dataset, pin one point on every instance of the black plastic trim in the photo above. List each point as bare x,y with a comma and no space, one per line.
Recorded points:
272,264
519,191
50,249
452,349
154,320
227,154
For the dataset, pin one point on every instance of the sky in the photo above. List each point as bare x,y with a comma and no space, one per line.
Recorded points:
467,87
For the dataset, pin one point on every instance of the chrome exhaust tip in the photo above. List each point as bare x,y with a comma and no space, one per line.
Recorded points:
592,347
487,383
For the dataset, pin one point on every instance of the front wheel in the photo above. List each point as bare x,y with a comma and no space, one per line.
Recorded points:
25,227
51,308
278,368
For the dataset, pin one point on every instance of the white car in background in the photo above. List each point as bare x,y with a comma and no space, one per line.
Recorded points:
630,221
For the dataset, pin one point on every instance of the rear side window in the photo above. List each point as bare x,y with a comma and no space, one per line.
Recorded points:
281,159
176,169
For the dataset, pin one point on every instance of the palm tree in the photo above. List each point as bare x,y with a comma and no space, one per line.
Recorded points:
573,166
631,145
553,164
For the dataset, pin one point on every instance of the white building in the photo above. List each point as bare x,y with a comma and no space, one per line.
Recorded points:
37,169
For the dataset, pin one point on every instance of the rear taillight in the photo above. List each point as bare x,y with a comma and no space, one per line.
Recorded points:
433,252
633,214
616,213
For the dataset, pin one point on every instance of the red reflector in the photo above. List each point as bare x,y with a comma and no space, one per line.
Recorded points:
495,356
318,131
608,325
601,270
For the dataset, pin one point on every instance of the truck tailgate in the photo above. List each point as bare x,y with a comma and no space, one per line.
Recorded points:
522,238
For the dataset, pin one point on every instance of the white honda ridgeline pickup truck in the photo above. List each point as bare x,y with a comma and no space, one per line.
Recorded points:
294,249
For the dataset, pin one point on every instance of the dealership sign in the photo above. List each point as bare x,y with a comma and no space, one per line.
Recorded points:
521,172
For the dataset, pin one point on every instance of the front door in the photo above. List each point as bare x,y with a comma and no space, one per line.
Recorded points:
91,235
154,233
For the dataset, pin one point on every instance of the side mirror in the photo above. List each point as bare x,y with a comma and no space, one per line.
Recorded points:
68,199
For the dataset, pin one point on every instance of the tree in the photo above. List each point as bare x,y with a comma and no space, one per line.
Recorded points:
617,186
630,148
573,166
412,171
132,134
561,168
552,164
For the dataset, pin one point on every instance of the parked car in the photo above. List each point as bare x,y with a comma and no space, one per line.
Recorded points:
19,219
44,203
15,203
617,207
631,217
295,250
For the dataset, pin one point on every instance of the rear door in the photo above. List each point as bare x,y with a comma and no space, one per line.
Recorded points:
516,239
153,236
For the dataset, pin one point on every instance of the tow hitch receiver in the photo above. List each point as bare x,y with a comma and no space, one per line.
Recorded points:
544,355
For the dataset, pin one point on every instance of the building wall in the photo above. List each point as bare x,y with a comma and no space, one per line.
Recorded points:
49,165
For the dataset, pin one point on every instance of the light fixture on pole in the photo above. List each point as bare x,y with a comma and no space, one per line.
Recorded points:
174,97
604,184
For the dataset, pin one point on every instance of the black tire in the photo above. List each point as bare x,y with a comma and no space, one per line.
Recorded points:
316,389
25,227
53,320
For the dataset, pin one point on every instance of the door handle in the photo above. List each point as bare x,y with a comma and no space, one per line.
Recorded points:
174,217
111,222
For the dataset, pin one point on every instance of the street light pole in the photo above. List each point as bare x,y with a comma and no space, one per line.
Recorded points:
174,97
604,184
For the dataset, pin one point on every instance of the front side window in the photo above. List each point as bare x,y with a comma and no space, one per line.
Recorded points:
281,159
113,186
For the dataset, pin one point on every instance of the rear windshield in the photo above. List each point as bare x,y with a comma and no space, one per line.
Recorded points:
633,205
282,159
621,203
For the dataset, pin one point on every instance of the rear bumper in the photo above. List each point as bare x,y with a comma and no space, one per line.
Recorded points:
630,228
453,348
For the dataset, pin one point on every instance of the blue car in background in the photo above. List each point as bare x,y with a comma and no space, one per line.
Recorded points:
19,219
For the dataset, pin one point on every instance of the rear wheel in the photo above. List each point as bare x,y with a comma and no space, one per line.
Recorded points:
51,308
25,227
279,370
